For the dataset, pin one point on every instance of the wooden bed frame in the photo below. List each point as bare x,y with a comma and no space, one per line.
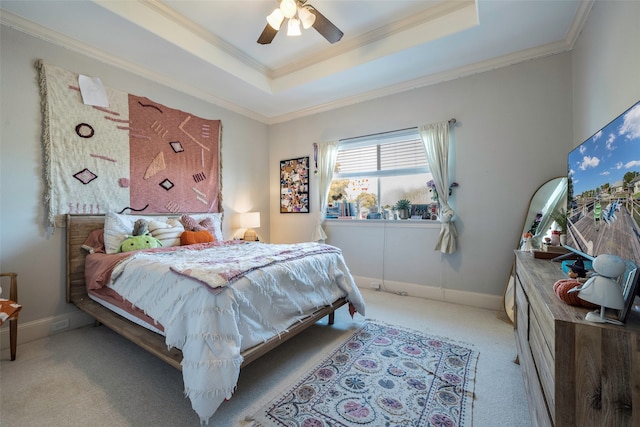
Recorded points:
78,228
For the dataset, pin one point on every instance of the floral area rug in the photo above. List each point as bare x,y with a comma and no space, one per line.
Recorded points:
382,375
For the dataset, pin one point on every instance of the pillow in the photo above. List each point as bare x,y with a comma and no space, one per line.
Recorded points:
208,221
118,226
94,243
193,237
168,233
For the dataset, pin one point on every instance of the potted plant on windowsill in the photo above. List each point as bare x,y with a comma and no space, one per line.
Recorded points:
403,206
560,217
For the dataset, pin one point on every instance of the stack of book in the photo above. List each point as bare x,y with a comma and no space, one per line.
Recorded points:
343,210
333,211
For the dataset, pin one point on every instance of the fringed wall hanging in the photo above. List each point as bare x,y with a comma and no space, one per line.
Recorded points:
134,154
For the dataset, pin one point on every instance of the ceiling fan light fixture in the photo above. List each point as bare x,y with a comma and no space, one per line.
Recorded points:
294,27
275,19
288,8
306,17
298,12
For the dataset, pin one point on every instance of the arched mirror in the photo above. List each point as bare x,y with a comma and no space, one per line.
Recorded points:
550,196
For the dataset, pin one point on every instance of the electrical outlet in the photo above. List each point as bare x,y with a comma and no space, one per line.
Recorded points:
375,285
60,325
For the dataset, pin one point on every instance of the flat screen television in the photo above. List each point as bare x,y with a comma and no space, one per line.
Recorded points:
603,193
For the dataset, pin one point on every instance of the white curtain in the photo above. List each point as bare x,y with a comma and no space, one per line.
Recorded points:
327,154
435,138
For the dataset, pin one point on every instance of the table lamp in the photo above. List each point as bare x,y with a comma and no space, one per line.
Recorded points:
249,221
602,289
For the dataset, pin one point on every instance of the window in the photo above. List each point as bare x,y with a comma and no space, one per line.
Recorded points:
376,171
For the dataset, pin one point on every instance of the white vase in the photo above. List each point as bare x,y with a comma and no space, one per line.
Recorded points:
563,239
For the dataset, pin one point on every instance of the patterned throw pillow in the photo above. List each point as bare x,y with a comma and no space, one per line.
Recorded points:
167,232
209,222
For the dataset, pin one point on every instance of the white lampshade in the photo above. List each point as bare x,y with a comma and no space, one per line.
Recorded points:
288,8
250,220
275,19
294,27
306,17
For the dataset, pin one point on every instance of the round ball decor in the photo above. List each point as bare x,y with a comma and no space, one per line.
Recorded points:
562,288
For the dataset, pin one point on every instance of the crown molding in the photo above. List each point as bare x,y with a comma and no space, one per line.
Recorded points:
391,29
578,22
460,72
18,23
187,24
13,21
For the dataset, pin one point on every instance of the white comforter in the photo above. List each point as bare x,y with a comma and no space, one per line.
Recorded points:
212,329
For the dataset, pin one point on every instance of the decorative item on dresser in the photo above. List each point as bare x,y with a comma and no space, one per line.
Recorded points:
576,373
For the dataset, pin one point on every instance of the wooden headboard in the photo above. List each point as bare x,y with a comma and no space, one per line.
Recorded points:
78,228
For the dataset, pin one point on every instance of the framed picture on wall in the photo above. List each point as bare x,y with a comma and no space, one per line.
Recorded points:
294,185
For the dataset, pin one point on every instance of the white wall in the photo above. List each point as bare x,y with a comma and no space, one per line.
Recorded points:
513,133
24,247
606,66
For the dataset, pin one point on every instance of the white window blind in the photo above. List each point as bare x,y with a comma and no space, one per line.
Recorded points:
387,154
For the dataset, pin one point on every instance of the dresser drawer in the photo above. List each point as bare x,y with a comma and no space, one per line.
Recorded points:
545,364
540,311
522,313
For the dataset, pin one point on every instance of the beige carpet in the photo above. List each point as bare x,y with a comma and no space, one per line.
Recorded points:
92,376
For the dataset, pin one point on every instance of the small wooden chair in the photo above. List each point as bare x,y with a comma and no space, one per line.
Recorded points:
9,310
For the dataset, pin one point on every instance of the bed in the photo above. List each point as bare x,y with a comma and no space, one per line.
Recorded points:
175,304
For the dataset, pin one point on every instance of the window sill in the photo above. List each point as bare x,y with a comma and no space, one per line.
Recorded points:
417,223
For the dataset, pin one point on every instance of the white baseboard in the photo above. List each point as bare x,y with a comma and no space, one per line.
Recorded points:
30,331
471,299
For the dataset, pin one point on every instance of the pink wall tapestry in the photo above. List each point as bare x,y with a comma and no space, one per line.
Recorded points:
133,154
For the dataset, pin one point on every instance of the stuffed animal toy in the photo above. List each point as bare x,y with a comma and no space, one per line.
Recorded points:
134,243
577,270
140,227
140,239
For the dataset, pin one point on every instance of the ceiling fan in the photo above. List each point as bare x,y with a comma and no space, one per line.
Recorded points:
297,12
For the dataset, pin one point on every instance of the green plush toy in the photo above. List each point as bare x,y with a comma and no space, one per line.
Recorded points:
134,243
141,239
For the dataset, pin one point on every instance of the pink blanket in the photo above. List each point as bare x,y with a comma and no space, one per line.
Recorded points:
223,266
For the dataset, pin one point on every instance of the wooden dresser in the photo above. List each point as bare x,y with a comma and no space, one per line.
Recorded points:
576,373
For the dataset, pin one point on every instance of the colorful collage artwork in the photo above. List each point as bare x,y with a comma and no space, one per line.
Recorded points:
294,185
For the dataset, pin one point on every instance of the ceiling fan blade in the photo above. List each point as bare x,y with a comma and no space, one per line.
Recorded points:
325,27
267,35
